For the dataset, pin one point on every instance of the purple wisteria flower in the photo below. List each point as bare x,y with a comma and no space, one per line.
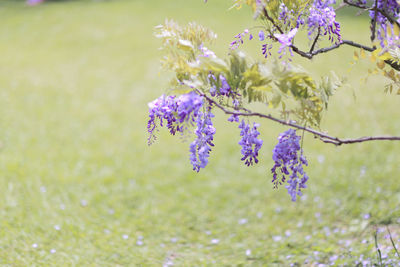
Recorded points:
175,111
239,39
249,142
212,81
178,113
160,110
285,14
205,52
261,36
225,88
322,17
289,161
201,147
266,50
188,106
385,30
288,17
233,118
286,40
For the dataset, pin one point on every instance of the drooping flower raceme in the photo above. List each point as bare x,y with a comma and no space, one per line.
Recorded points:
160,110
179,112
239,39
188,106
201,147
289,161
261,36
175,111
212,81
225,87
249,142
322,18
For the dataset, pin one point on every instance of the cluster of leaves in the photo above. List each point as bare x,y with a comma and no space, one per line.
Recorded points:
288,88
380,58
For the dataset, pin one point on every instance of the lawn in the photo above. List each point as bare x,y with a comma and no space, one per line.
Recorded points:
80,187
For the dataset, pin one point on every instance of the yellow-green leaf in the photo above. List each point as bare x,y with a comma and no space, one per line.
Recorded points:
362,53
396,29
385,56
262,88
355,57
380,64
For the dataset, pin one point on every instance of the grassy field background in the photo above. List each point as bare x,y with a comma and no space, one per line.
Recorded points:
80,187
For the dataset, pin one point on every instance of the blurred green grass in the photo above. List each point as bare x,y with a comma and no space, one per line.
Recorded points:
77,175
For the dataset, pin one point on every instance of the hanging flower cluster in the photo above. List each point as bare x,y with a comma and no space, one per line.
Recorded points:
173,111
322,19
249,142
289,161
201,147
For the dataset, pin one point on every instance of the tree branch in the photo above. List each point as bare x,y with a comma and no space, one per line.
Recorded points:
317,134
393,64
355,5
312,53
375,8
272,21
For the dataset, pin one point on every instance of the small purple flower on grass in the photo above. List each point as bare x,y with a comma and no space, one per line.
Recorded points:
249,142
289,160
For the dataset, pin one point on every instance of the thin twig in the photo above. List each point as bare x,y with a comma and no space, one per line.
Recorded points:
373,21
272,21
315,40
322,136
355,5
344,42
